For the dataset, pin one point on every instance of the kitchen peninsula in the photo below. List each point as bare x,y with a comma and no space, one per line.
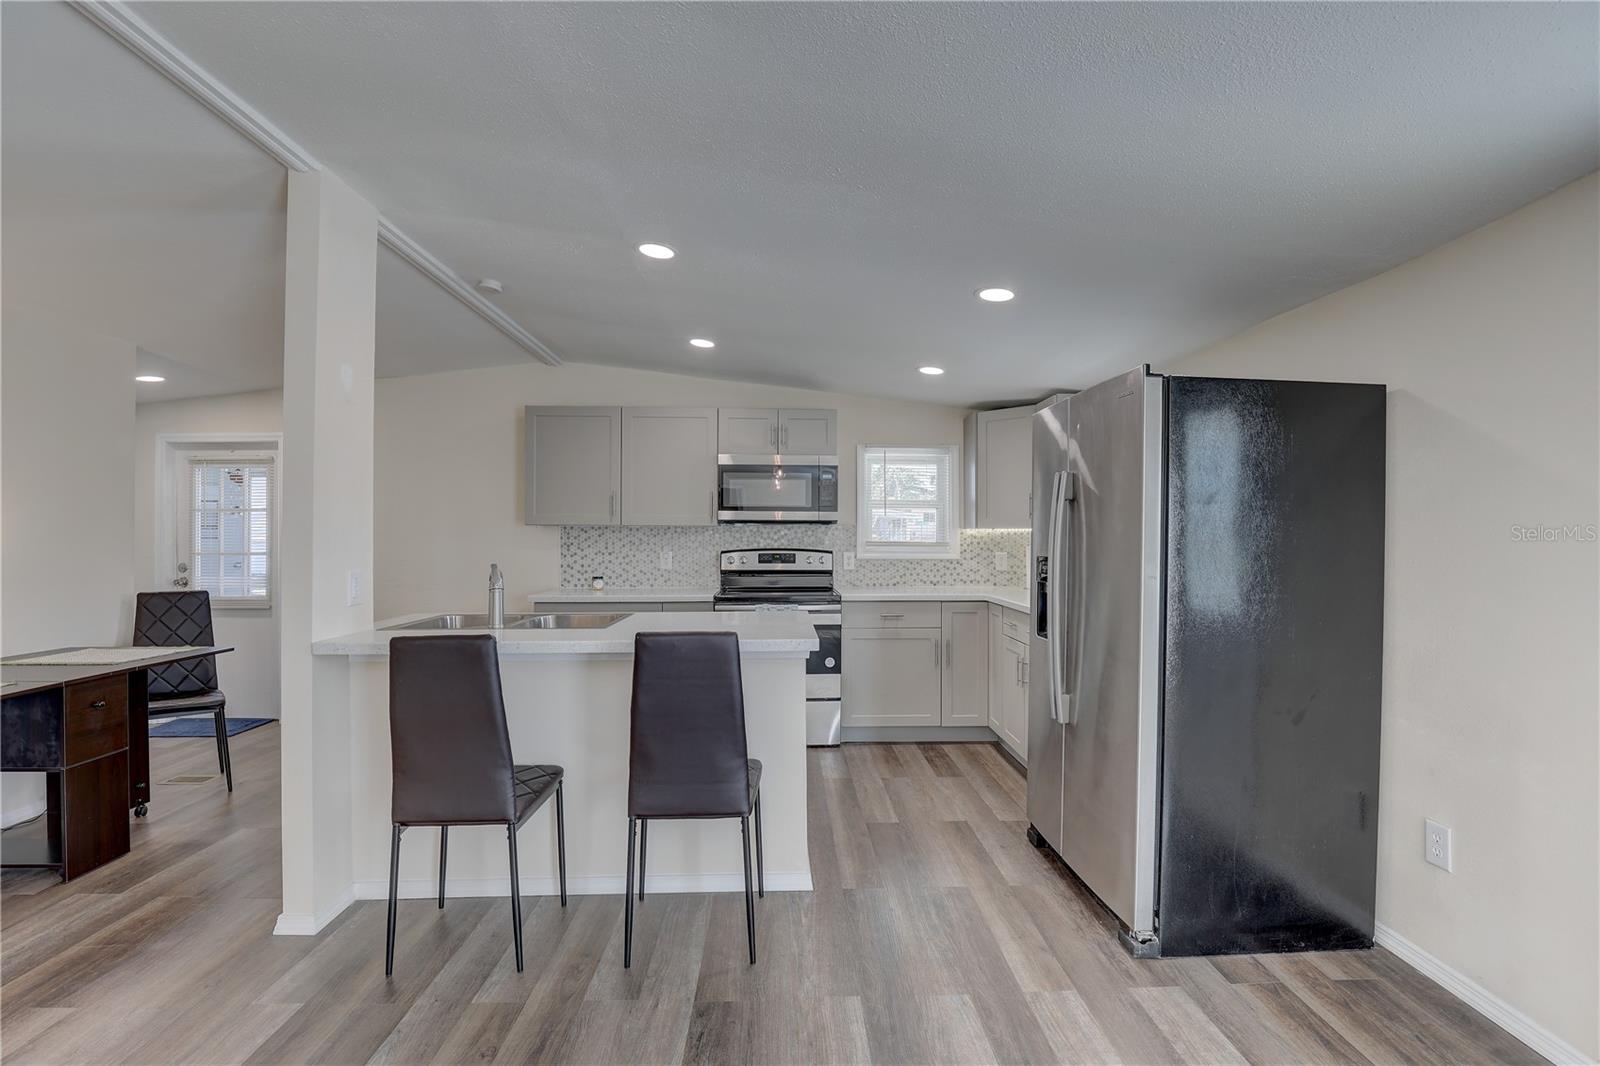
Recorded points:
567,695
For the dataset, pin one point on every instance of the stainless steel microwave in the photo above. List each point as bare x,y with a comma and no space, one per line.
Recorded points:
777,488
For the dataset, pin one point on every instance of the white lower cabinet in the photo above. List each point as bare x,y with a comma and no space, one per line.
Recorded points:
1011,674
891,677
964,681
972,670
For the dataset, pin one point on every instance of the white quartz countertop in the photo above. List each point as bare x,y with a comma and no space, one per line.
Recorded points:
1016,599
763,634
625,595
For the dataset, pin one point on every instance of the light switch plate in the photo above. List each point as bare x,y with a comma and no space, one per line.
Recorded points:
849,560
354,594
1436,845
1002,561
666,559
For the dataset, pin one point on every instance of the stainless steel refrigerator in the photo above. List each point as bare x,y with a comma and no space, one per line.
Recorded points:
1207,657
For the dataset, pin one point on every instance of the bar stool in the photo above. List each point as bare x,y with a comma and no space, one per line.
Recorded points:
452,758
687,754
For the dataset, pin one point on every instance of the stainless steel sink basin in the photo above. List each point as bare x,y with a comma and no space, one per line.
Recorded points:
514,621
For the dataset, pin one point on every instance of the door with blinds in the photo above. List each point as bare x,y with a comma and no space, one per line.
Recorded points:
227,527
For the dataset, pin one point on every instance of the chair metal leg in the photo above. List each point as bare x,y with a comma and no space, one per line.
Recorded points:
627,902
561,844
761,865
749,897
394,889
220,724
516,893
644,843
444,846
222,747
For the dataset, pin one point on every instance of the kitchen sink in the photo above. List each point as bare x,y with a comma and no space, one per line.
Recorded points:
514,621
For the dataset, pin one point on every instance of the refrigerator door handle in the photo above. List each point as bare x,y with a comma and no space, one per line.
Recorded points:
1063,491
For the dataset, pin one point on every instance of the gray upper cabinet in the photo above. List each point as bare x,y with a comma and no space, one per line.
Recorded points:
999,468
572,468
669,466
747,431
769,430
808,431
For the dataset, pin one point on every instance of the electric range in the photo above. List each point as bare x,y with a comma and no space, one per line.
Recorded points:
794,579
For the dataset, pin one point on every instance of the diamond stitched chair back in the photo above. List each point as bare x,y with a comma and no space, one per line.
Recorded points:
169,619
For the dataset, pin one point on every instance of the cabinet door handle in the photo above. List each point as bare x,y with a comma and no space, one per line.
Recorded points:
97,705
783,437
1023,663
611,510
938,663
774,436
949,651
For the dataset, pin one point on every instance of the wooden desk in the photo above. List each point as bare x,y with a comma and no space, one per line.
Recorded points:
87,729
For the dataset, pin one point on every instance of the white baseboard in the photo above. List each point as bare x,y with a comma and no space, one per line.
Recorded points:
1481,999
302,924
500,887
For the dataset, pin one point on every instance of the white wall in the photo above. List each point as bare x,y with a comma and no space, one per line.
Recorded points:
249,673
66,501
325,528
449,468
1489,346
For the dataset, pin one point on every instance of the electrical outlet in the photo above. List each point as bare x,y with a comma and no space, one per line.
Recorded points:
1002,561
666,559
353,592
1436,845
849,560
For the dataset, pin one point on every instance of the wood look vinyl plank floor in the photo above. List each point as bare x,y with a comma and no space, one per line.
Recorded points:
935,934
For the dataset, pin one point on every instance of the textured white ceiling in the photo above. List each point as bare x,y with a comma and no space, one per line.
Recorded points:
839,178
133,211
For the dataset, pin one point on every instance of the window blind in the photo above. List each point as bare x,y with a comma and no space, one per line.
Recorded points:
231,528
907,502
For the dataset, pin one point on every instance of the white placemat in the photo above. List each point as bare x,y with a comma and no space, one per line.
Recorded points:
98,656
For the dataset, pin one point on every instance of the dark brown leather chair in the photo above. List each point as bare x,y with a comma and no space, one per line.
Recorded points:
687,755
452,757
168,619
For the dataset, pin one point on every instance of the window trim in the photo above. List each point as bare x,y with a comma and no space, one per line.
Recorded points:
866,549
173,452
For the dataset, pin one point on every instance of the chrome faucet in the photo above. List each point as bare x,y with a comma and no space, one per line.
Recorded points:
497,598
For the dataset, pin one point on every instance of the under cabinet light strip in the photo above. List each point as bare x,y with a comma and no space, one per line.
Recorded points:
140,38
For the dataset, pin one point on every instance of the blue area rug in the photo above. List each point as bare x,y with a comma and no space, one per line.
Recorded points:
203,725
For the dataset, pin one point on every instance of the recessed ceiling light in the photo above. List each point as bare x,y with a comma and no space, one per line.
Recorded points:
996,296
490,286
931,371
150,379
656,251
701,342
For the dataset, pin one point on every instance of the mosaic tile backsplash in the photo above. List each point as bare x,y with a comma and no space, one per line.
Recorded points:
630,556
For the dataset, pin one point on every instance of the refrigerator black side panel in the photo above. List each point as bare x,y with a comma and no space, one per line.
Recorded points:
1274,649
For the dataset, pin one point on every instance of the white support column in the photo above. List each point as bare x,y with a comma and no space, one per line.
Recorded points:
325,534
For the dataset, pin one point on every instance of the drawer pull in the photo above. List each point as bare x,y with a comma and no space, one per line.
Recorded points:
886,617
97,704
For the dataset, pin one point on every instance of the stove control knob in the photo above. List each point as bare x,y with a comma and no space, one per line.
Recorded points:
830,662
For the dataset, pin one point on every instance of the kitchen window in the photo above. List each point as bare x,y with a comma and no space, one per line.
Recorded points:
906,502
227,535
